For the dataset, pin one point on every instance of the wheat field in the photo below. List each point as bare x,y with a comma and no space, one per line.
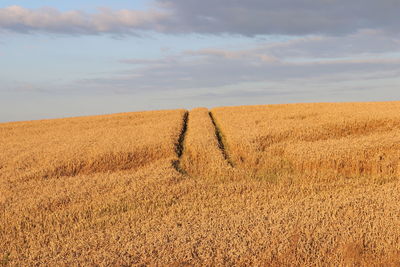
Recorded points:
275,185
322,141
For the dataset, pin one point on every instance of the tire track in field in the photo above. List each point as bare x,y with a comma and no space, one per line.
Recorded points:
220,140
179,146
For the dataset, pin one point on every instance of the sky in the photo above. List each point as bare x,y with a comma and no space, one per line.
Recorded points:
74,58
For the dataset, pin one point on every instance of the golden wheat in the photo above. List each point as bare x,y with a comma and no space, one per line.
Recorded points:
315,140
69,195
67,147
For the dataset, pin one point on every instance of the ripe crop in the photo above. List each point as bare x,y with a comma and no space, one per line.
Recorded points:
323,141
277,185
68,147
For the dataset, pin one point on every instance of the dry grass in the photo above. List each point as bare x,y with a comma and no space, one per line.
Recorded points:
121,213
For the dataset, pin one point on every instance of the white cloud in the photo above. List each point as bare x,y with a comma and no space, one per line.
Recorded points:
19,19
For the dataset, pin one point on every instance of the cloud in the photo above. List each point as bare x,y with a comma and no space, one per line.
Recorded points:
50,20
244,54
279,72
306,59
148,62
194,74
290,17
289,67
363,42
365,45
250,17
215,80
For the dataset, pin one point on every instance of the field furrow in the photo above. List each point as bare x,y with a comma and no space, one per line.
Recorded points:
203,153
179,146
220,139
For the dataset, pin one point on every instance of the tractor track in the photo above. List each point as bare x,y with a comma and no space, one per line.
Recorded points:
179,146
220,140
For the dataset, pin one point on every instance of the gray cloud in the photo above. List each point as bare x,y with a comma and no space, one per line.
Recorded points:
364,42
218,77
218,81
250,17
363,46
330,59
213,71
292,17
